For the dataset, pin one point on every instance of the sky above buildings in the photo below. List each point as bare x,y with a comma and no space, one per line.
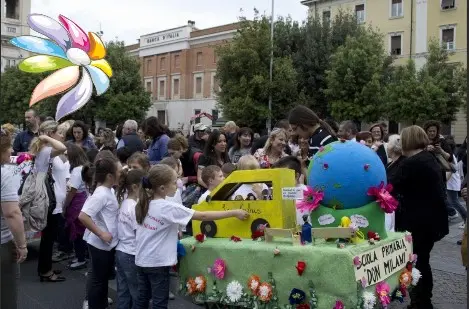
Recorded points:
129,19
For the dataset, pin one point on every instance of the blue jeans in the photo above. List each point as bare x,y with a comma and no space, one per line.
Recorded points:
153,283
453,201
127,283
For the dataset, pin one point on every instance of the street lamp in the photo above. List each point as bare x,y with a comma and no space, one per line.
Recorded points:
269,119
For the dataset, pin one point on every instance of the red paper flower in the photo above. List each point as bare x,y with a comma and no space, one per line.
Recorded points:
303,306
300,267
235,238
265,292
253,284
387,202
257,234
200,237
373,235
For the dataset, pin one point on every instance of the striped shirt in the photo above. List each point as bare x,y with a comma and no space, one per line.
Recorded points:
319,139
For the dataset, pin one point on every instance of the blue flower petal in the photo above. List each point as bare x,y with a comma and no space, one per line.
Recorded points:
38,46
100,79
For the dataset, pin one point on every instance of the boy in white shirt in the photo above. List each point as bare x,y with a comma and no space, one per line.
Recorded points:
212,175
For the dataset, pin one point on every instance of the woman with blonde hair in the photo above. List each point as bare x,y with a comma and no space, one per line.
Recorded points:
107,140
38,193
422,209
13,240
273,150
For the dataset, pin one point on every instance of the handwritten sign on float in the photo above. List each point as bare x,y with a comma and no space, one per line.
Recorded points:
383,261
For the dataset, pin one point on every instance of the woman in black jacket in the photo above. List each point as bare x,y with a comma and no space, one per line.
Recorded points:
422,210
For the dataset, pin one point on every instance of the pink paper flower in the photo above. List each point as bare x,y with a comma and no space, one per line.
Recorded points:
311,200
387,202
363,282
356,261
219,268
382,289
408,237
339,305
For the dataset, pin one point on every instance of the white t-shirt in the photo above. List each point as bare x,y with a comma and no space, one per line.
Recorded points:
203,197
60,174
103,209
76,181
299,214
157,237
454,182
9,194
126,227
246,189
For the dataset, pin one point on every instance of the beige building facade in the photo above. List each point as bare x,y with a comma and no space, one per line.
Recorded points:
408,27
14,21
178,68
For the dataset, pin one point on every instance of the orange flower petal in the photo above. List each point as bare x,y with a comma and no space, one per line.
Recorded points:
97,49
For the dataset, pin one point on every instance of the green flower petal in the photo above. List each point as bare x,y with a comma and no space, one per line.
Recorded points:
43,63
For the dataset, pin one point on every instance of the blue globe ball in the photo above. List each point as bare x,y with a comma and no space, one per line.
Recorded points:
345,171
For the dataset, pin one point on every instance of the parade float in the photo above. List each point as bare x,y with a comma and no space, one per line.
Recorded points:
344,259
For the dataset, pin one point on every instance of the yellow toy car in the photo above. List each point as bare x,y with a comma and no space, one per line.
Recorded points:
271,211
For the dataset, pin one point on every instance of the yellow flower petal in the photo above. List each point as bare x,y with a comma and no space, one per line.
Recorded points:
103,65
97,49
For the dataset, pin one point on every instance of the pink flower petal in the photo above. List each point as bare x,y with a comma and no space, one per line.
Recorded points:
75,98
55,83
77,35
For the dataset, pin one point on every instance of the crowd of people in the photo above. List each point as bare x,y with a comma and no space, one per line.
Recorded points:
117,202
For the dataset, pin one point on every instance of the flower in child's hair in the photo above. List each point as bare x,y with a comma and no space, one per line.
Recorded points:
219,268
369,300
303,306
382,194
200,237
356,261
416,275
296,297
265,292
200,284
300,267
191,286
339,305
235,238
408,237
310,201
253,284
382,289
234,291
276,251
405,278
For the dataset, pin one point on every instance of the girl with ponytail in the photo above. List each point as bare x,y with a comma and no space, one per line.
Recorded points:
157,233
306,124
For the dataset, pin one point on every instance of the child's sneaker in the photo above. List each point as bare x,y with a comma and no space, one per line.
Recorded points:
171,296
77,265
60,256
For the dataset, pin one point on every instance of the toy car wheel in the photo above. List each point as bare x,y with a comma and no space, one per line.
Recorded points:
208,228
257,223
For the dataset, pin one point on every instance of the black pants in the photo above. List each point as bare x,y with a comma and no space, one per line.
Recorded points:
421,295
65,245
102,266
9,277
80,248
48,237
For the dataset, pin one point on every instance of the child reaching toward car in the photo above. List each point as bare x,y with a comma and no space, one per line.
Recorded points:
212,175
293,163
157,231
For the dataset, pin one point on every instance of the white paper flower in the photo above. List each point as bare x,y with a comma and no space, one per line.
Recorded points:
416,275
369,300
234,291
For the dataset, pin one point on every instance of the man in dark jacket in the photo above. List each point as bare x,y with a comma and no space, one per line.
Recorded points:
197,140
23,139
130,139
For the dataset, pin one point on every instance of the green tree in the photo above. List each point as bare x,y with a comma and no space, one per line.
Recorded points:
317,42
356,80
243,75
17,87
436,91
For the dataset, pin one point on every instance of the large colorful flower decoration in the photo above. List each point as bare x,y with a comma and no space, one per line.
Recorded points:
311,200
383,196
67,49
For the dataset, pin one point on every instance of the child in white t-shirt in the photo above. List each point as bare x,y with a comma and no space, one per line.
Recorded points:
126,274
157,234
293,163
212,175
99,216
